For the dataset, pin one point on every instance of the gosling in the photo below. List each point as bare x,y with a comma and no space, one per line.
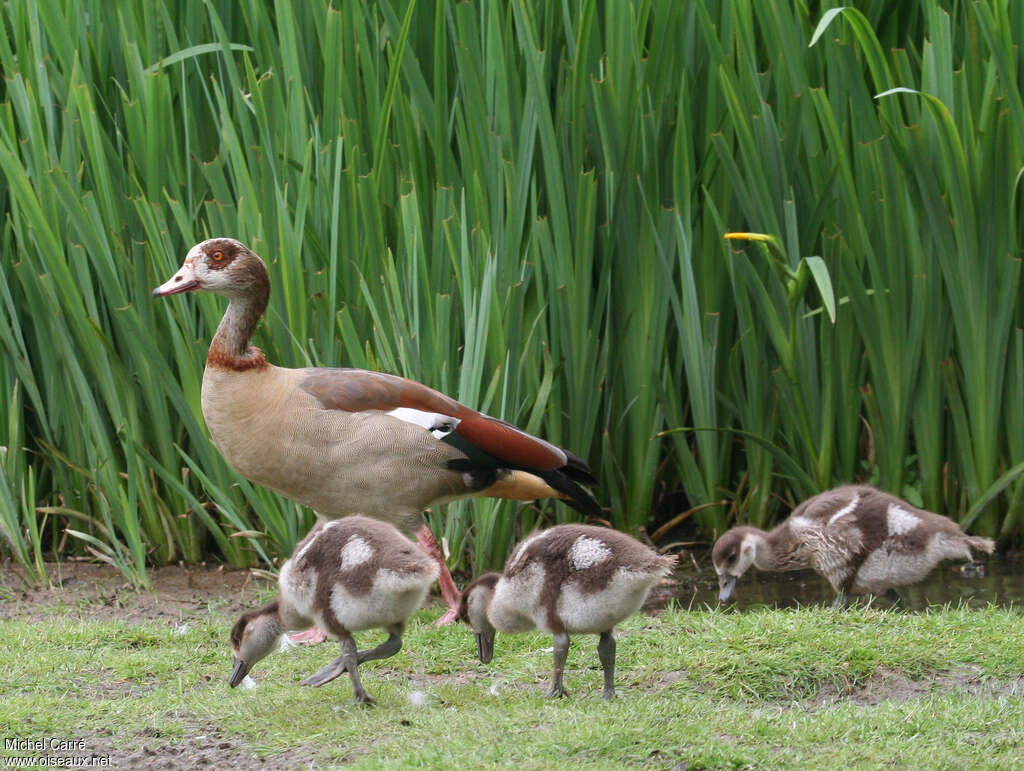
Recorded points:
862,540
346,575
569,579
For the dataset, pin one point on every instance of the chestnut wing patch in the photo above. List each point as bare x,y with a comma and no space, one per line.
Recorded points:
360,390
357,390
505,441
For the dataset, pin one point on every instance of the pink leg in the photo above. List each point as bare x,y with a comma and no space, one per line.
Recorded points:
311,636
449,592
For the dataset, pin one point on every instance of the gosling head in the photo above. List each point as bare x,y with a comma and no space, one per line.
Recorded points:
223,266
732,556
254,635
476,598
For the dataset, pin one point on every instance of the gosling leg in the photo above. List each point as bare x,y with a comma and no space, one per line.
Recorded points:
606,652
348,661
350,656
386,649
840,602
561,651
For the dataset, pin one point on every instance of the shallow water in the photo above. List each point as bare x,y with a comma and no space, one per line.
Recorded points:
1002,584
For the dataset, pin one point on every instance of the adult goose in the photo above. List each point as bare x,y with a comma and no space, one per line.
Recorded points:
568,579
347,441
862,540
346,575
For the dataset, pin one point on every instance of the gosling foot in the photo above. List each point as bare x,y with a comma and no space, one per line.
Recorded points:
333,670
556,691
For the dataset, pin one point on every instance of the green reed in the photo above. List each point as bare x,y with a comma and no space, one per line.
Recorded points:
523,205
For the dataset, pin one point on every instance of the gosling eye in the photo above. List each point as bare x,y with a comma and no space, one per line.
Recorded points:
218,256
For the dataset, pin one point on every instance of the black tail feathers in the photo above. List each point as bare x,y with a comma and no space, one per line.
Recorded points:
577,469
563,480
565,483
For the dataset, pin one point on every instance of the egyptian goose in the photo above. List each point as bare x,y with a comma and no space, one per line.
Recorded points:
569,579
345,441
862,540
346,575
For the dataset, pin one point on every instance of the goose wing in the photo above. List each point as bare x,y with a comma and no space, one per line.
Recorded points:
479,436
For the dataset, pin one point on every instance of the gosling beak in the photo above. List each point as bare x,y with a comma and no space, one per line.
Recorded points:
726,583
182,281
485,646
238,673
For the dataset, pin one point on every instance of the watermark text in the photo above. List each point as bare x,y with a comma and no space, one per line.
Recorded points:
51,752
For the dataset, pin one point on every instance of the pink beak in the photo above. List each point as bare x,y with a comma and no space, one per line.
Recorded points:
182,281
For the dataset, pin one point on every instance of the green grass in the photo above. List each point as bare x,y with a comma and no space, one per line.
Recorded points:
713,689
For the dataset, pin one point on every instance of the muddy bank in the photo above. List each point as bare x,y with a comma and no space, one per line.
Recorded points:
99,591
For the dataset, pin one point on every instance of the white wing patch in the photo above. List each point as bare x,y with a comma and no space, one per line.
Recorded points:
587,552
356,551
900,520
436,423
845,510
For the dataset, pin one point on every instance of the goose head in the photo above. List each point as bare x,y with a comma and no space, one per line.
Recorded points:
476,599
223,266
732,556
254,635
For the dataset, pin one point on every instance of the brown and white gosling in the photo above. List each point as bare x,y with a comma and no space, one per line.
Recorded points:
347,575
862,540
569,579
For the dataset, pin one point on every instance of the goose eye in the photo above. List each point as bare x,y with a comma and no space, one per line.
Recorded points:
218,256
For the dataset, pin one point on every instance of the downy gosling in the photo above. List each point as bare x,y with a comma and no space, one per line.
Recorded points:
346,575
569,579
862,540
